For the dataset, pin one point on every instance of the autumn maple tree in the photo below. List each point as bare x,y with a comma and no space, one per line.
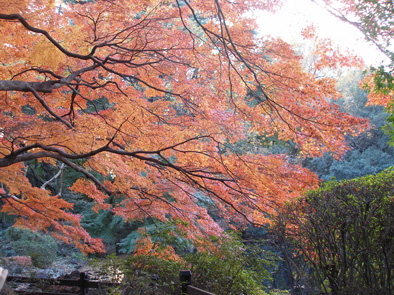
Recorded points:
146,99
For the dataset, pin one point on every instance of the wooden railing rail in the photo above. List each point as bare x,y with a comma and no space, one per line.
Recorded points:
84,284
185,276
191,290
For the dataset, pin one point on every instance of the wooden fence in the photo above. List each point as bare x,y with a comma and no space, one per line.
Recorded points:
83,283
191,290
185,277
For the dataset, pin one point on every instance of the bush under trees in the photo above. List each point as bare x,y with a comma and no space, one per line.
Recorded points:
41,248
345,230
222,265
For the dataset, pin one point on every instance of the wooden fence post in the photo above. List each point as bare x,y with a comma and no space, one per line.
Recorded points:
83,277
185,276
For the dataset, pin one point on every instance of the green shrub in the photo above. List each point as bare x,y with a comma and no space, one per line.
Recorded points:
346,231
41,248
223,266
230,267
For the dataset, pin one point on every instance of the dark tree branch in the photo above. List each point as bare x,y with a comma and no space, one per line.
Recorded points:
21,19
43,87
48,109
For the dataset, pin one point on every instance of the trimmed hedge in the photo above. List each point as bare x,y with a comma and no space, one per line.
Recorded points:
346,231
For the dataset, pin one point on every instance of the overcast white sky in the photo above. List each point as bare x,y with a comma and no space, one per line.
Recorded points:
297,14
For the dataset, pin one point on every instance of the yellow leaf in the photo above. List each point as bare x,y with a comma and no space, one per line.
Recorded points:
44,53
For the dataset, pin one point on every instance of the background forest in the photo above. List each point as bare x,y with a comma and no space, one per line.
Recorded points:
145,137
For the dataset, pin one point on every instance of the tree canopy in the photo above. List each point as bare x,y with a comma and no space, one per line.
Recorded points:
370,151
146,99
375,19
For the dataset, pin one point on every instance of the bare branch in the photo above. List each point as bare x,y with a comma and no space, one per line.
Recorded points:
54,177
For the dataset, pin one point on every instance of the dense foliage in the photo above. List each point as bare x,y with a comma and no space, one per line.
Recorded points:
41,248
370,151
120,116
345,230
143,100
226,267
